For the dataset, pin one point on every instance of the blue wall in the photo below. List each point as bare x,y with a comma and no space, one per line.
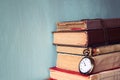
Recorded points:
26,50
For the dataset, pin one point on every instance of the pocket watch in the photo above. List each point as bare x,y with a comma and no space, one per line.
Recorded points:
86,65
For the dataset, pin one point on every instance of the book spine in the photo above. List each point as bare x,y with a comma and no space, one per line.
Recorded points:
95,37
106,49
107,75
114,35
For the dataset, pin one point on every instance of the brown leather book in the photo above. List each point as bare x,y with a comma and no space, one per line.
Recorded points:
91,51
87,38
101,62
88,24
62,74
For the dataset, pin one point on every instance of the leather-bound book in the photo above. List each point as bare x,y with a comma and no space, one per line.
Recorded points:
86,38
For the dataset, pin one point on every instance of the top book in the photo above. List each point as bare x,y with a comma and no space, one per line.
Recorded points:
88,24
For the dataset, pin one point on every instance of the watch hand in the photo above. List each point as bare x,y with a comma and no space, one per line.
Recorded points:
84,63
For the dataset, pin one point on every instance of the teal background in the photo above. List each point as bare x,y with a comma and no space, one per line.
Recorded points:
26,50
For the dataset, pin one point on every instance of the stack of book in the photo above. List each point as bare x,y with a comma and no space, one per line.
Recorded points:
87,50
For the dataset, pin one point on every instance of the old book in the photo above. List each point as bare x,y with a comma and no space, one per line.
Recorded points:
101,62
90,50
61,74
88,24
86,38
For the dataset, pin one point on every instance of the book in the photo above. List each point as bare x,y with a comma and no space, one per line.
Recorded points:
90,50
101,62
87,38
62,74
88,24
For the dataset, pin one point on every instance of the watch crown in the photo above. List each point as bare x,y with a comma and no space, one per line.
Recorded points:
86,52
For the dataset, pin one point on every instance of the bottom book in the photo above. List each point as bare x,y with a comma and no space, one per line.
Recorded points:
61,74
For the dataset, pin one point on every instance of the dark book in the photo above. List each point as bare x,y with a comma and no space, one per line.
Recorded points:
86,38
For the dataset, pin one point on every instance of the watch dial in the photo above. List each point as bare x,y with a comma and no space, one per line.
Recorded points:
85,65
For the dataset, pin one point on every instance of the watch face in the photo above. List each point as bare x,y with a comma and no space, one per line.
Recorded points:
86,65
